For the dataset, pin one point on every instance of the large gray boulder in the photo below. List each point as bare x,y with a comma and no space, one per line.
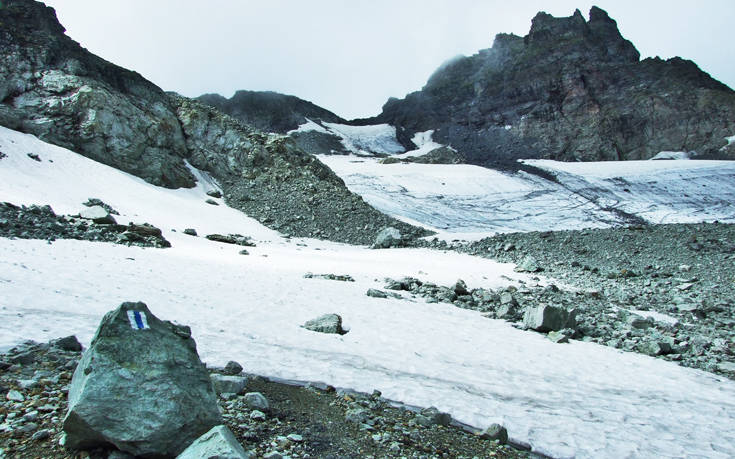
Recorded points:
217,443
140,387
388,237
546,318
328,323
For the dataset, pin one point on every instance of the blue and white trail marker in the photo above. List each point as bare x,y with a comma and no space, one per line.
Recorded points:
138,320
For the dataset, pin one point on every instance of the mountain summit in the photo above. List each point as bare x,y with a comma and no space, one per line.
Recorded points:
573,90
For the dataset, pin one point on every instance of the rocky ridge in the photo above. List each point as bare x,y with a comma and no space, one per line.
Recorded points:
41,222
572,90
269,111
55,89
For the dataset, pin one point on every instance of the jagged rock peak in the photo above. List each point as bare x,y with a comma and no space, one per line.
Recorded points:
600,32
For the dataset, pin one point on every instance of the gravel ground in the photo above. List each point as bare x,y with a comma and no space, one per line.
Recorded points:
684,271
316,422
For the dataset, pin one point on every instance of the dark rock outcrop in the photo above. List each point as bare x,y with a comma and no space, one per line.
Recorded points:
570,90
53,88
269,111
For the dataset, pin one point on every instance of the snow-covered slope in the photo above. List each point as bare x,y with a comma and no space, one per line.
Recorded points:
463,201
578,399
359,140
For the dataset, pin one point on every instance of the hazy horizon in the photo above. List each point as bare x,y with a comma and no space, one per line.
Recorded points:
350,57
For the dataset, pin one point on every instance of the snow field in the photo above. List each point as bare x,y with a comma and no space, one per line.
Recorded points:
470,202
572,400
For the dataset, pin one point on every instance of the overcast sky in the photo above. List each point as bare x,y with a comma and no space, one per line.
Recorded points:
349,56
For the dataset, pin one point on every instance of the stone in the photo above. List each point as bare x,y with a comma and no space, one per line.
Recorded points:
357,415
243,252
214,193
528,265
557,337
375,293
507,298
69,343
14,396
190,231
236,239
212,202
232,368
257,401
496,432
224,384
328,323
140,387
432,416
460,288
41,435
296,438
98,214
640,323
545,318
655,348
387,238
726,367
257,415
218,442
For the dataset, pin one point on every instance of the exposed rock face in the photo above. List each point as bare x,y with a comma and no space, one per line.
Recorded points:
570,90
271,179
140,387
269,111
55,89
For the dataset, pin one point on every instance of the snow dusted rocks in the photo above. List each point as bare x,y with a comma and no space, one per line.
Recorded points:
140,387
328,323
218,442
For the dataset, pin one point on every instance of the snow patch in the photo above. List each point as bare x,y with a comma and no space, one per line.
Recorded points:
367,140
424,144
671,155
309,126
657,316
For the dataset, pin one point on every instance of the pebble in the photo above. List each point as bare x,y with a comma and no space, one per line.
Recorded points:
14,396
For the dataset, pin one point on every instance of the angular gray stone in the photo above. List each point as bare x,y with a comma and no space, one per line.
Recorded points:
460,287
14,396
557,337
546,318
257,401
190,231
218,443
69,343
328,323
496,432
140,387
432,416
97,214
232,368
224,384
375,293
388,237
528,265
357,415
